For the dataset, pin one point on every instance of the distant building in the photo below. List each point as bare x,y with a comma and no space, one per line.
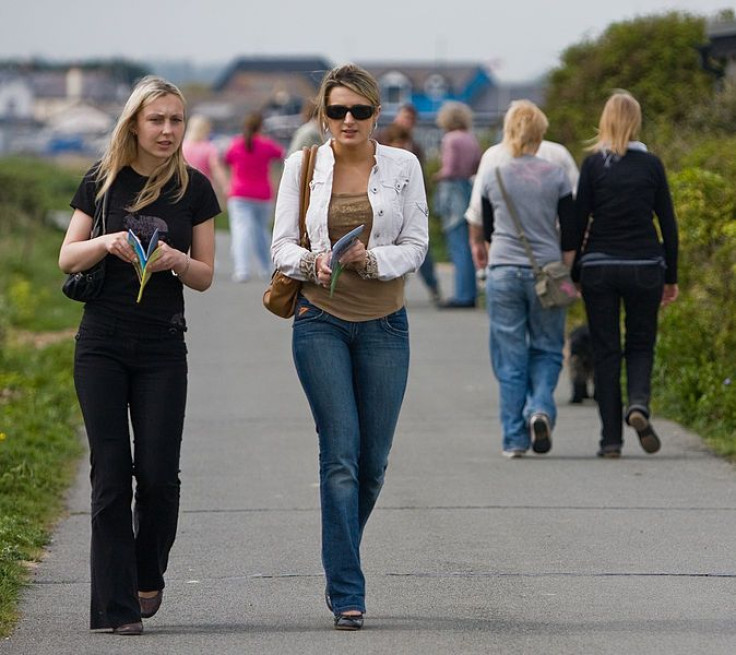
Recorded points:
277,86
718,55
16,98
48,108
427,86
57,90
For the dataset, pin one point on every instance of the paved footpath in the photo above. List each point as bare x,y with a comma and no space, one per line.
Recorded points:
467,552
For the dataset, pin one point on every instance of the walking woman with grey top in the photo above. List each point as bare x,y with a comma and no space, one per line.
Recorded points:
623,263
526,339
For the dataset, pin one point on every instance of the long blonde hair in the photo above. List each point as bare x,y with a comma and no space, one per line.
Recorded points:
620,123
524,126
123,147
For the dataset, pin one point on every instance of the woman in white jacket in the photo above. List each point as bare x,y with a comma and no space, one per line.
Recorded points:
351,346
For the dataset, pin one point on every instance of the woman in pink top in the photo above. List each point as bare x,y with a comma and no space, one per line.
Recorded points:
202,154
250,198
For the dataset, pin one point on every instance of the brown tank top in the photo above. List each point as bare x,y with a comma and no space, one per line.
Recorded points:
355,298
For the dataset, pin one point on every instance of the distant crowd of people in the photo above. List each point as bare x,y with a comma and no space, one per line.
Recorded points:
521,200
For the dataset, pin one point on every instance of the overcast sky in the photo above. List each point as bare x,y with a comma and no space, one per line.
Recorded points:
520,39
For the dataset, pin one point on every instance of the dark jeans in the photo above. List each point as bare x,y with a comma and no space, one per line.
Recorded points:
354,376
138,376
605,287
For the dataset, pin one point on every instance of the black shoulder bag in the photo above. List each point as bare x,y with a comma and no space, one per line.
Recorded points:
86,285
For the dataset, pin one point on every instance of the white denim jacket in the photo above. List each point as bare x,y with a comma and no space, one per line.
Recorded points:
399,238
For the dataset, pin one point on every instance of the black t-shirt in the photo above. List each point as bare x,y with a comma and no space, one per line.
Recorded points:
163,300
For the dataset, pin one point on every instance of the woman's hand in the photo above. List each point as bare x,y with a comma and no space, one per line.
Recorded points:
169,259
479,253
322,266
355,257
116,243
669,294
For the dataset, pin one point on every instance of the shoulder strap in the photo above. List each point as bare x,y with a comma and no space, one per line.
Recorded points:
99,226
517,221
309,157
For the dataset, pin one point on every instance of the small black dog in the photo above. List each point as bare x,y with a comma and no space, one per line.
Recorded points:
581,363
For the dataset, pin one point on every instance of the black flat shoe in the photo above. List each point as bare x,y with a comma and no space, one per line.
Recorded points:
149,606
349,622
129,629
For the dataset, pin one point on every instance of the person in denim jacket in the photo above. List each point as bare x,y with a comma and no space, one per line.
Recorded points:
351,347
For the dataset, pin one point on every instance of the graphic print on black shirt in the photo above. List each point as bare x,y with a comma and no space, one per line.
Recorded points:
163,301
144,226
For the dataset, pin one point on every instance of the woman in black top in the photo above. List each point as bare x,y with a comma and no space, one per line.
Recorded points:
130,363
621,188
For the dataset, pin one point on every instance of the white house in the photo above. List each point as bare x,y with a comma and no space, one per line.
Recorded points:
16,98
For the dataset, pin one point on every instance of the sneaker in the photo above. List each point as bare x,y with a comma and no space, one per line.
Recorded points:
541,432
647,436
513,454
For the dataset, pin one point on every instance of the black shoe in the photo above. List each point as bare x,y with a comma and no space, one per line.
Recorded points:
609,453
456,304
647,436
149,606
349,622
128,629
541,431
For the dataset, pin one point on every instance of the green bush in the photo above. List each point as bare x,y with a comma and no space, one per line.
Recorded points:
695,370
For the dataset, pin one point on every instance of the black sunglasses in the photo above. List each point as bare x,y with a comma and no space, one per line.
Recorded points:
359,112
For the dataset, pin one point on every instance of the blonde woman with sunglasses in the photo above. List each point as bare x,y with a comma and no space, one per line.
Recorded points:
351,345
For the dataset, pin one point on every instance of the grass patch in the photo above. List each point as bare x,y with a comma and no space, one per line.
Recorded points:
39,448
39,416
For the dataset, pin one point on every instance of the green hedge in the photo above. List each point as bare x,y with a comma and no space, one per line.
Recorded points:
695,371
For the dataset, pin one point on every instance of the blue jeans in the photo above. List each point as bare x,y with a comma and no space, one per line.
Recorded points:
466,286
526,344
354,376
605,288
249,229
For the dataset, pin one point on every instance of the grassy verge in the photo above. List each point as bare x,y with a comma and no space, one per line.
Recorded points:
39,448
39,417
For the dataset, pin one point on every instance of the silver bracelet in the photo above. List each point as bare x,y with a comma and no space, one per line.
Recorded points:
186,267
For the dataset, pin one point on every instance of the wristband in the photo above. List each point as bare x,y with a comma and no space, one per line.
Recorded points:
186,267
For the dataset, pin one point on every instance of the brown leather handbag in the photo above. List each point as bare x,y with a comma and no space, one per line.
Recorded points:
281,294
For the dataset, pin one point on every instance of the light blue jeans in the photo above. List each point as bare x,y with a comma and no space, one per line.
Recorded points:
250,237
451,200
458,246
526,344
354,376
